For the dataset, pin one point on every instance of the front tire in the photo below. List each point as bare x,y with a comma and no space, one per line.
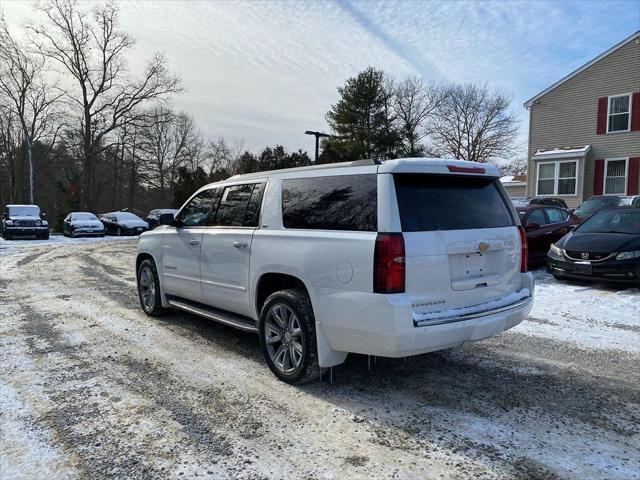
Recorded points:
288,336
149,289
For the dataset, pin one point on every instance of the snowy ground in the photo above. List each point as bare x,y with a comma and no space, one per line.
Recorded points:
91,387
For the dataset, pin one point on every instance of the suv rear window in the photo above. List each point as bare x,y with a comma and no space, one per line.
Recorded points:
450,202
345,202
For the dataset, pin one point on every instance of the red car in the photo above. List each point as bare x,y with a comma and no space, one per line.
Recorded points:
544,225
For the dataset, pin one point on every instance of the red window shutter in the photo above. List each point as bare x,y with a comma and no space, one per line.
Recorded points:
632,177
603,104
598,177
635,111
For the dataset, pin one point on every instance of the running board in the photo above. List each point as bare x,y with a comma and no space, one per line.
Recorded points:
226,318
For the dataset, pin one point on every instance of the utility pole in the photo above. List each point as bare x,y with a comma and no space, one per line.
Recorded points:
317,135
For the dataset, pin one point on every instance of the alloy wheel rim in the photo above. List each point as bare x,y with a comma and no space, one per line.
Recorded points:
283,338
147,288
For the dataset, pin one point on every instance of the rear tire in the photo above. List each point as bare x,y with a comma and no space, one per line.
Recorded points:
149,289
288,336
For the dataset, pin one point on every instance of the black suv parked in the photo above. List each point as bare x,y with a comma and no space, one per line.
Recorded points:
23,221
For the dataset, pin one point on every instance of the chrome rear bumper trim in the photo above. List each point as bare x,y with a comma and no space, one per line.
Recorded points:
452,319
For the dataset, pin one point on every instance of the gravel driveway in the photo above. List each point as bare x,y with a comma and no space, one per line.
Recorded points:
92,388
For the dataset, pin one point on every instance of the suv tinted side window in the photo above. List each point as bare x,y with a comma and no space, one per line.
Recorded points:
233,205
196,213
346,202
252,214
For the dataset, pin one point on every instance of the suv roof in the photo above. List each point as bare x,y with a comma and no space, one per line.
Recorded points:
400,165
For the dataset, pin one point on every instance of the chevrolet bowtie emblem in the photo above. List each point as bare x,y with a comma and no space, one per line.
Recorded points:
482,247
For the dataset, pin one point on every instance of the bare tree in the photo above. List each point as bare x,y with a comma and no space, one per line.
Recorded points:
170,141
10,141
221,156
473,123
414,104
514,166
27,93
92,49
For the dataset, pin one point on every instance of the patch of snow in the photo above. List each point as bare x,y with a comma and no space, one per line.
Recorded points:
26,451
592,316
579,151
8,247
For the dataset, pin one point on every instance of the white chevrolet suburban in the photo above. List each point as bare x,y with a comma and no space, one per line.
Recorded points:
392,258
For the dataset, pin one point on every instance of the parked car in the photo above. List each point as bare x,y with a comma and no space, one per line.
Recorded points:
604,247
154,216
24,221
601,202
550,201
544,225
123,223
82,223
391,259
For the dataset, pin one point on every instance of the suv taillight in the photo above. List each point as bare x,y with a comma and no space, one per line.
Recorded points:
523,248
388,263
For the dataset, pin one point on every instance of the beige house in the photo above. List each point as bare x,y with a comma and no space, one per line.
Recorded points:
515,185
584,130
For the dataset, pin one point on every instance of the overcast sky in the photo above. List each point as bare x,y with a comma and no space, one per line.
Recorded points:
265,71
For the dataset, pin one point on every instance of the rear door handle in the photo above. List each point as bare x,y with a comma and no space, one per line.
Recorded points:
194,242
239,244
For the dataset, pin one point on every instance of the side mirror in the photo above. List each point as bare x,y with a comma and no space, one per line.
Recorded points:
166,219
532,226
43,215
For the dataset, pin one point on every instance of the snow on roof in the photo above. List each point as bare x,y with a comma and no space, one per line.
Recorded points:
562,152
514,180
631,37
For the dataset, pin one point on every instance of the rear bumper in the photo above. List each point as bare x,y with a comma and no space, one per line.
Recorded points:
385,325
627,272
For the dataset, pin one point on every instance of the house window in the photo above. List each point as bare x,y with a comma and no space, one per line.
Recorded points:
557,178
615,177
619,116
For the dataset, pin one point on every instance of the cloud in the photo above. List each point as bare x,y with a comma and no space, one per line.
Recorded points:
268,71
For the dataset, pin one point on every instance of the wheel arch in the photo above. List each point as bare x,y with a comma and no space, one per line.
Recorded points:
271,282
141,257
